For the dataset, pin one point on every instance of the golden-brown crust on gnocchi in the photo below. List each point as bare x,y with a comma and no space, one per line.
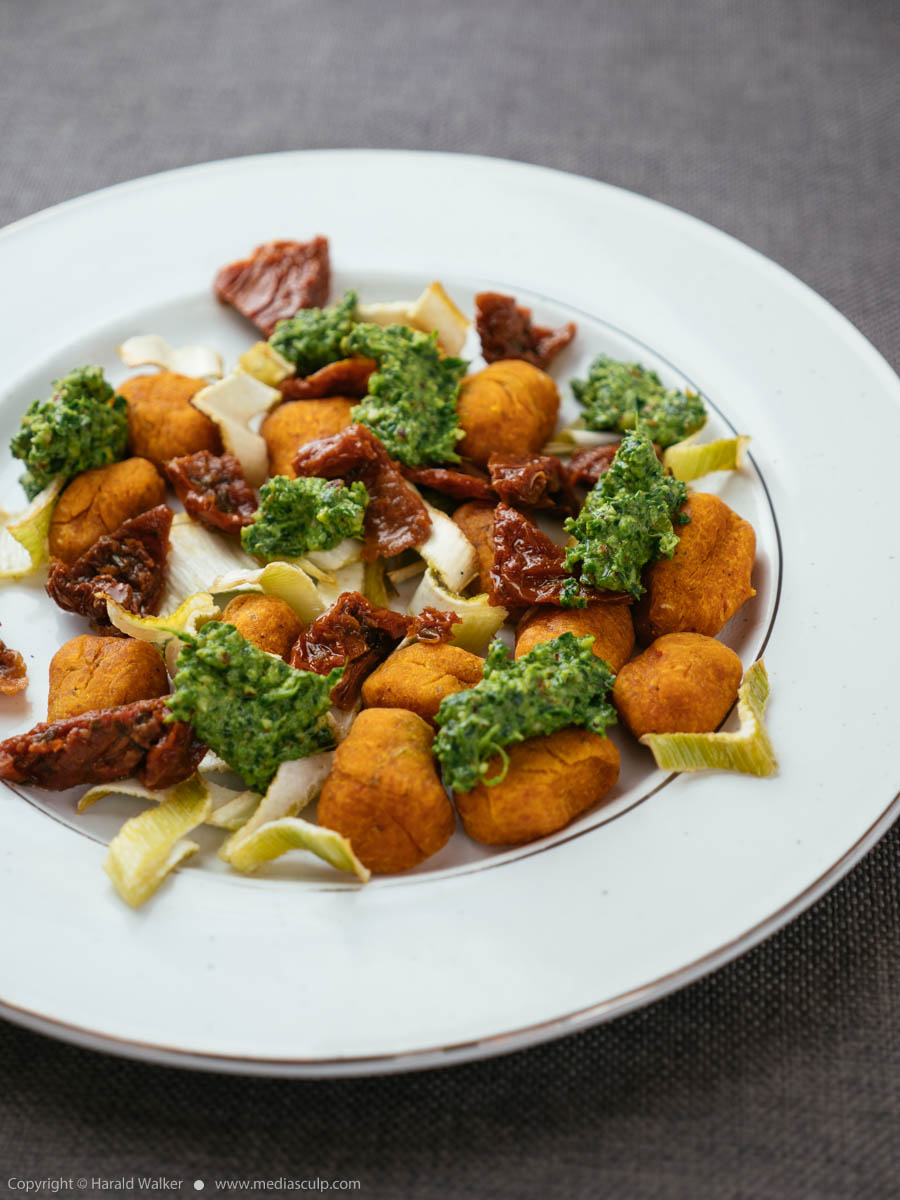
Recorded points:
419,676
162,422
267,621
682,683
509,407
610,625
707,579
476,520
98,501
94,673
550,780
296,422
384,793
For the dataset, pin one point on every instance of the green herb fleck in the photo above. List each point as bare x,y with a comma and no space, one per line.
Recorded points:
555,685
618,395
252,709
298,515
411,405
626,521
312,337
82,425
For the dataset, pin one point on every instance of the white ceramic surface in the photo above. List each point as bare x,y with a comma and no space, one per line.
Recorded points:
297,972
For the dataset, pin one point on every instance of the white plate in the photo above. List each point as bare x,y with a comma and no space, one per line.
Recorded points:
299,973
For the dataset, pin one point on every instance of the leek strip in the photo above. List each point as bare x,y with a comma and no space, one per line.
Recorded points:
374,586
687,460
345,552
479,620
232,403
291,833
193,612
163,631
264,363
575,437
151,844
448,551
228,809
432,311
340,720
231,810
197,555
286,580
150,349
23,539
401,574
131,787
748,750
296,784
351,578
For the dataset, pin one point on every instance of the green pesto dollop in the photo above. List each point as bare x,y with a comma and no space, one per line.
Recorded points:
555,685
411,405
82,425
252,709
626,521
311,339
298,515
619,395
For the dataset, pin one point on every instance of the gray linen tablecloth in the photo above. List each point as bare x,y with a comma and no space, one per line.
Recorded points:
780,1074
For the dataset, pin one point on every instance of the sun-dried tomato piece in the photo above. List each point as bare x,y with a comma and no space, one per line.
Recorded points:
461,484
13,672
276,280
213,489
353,635
99,747
535,480
506,331
587,466
174,757
432,625
530,569
347,377
396,518
129,565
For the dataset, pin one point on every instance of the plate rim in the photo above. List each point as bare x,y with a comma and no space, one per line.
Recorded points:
577,1019
458,1053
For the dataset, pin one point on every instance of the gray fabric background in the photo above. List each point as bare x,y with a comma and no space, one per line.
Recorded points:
777,121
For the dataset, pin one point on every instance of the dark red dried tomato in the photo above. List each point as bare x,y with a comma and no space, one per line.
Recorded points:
351,634
432,625
276,280
176,756
506,331
213,489
129,565
396,518
535,480
347,377
587,466
13,672
530,569
99,747
468,484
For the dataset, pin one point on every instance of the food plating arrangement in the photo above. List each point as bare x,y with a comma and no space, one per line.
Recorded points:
393,586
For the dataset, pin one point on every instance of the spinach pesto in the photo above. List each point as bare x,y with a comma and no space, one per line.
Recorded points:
557,684
311,339
620,395
82,425
252,709
298,515
626,521
411,405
